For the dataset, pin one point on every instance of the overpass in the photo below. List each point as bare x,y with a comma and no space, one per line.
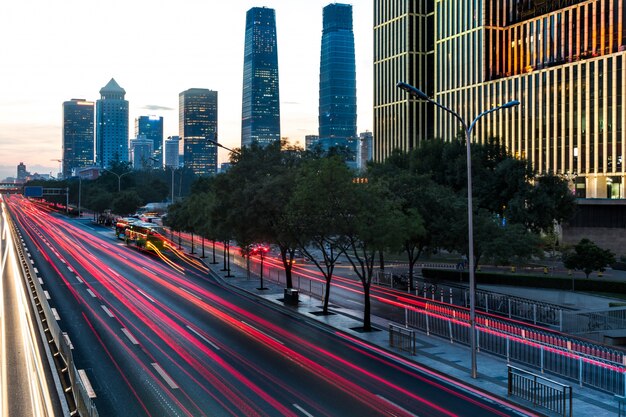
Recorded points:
11,188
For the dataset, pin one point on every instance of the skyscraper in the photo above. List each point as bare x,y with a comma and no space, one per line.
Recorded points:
171,152
197,126
337,96
564,61
403,51
260,118
111,125
21,171
151,127
141,149
78,135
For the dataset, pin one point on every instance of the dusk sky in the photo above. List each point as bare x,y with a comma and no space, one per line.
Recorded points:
51,52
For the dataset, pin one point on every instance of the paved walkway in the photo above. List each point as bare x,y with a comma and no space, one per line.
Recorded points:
433,352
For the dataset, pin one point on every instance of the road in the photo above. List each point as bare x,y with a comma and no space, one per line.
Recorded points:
25,387
162,338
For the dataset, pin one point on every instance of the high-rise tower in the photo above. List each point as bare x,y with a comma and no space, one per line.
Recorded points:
337,97
260,116
78,135
111,125
152,128
197,127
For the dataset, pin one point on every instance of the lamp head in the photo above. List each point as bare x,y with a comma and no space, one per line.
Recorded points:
510,104
412,90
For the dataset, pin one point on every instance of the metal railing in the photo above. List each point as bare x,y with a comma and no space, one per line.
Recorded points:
402,338
540,391
84,405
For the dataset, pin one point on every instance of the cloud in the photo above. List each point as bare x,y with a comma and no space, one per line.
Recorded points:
156,107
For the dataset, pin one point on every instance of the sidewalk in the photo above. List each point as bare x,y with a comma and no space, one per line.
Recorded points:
432,352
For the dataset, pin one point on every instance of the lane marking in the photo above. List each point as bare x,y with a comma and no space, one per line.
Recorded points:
106,310
113,272
46,294
164,375
203,338
78,279
86,383
91,293
302,410
148,270
396,405
130,336
190,293
263,333
146,295
123,257
67,340
62,260
70,269
55,313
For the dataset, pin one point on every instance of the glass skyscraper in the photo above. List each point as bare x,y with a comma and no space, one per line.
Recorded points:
564,61
151,127
197,126
111,125
78,135
260,119
337,95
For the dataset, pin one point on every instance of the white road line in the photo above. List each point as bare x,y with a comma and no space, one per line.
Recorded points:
302,410
67,340
91,293
86,383
165,376
190,293
204,338
113,272
106,310
130,336
148,270
353,301
123,257
62,260
70,269
36,271
46,294
146,295
78,279
263,333
55,313
41,281
396,405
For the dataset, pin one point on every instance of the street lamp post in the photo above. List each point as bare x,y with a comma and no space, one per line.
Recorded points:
216,143
119,177
468,136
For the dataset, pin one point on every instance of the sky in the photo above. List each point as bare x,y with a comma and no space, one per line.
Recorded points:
53,51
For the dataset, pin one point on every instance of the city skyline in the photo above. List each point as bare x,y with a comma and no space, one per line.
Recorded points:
42,71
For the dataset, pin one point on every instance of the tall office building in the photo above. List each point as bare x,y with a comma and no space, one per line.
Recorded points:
21,172
141,149
260,116
364,150
564,61
151,127
337,95
78,135
111,125
197,127
170,151
403,51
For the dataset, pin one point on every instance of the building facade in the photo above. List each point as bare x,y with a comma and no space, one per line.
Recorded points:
78,135
21,172
151,127
337,91
564,61
141,151
260,115
111,125
364,150
171,152
197,127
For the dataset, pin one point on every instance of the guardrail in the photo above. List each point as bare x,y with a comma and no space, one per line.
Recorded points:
402,338
76,386
540,391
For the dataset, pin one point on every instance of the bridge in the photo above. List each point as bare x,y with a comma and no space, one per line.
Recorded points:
11,188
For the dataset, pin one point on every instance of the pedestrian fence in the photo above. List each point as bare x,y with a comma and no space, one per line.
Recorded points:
402,338
577,359
589,364
594,321
60,346
540,391
621,405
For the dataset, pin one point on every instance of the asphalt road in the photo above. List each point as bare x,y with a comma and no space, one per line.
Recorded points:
165,339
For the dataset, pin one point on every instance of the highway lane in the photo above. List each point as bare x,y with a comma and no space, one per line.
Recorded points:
26,383
173,342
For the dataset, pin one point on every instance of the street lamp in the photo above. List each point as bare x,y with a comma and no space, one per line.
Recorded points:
216,143
260,250
468,135
119,177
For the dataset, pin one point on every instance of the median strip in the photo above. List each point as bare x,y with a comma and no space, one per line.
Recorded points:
86,383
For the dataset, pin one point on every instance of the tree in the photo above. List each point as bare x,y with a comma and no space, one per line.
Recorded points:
587,257
126,202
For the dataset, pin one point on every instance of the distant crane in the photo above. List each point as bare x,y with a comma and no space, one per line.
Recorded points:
60,161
